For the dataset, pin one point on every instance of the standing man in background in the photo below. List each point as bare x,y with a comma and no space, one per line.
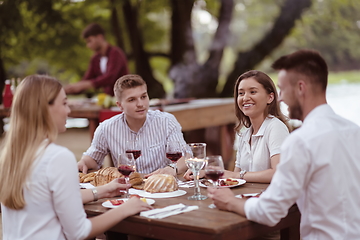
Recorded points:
106,66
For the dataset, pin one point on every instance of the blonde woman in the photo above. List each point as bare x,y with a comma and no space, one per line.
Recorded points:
39,191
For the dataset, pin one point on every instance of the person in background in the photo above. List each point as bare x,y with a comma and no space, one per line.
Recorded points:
152,130
106,66
39,192
262,128
319,165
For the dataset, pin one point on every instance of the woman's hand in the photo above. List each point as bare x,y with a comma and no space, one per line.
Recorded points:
133,206
113,188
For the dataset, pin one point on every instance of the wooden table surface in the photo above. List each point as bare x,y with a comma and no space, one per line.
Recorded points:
204,223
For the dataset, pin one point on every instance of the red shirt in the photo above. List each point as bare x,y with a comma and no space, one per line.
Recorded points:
115,68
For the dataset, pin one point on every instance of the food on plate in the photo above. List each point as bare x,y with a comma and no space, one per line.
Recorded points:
85,178
160,183
134,195
228,182
116,202
135,178
106,175
206,182
138,196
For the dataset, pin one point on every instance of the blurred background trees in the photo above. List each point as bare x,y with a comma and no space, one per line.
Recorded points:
185,48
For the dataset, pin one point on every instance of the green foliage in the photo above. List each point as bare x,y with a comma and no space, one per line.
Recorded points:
44,35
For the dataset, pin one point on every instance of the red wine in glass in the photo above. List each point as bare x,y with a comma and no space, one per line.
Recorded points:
136,153
174,156
125,170
214,174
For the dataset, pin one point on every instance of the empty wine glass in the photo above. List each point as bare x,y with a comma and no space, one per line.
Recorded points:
214,170
126,165
174,152
196,161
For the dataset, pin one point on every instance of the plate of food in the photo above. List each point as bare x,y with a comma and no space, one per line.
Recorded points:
114,203
224,182
146,194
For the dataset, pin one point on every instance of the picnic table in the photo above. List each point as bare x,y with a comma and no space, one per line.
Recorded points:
204,223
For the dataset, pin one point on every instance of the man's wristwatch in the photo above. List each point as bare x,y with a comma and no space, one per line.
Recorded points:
242,173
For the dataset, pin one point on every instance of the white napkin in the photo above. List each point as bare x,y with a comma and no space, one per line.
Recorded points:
187,184
160,213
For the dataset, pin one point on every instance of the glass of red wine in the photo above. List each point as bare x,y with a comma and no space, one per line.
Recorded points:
174,152
126,165
132,147
214,170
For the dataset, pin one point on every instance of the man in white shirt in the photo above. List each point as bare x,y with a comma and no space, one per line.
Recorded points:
319,164
152,130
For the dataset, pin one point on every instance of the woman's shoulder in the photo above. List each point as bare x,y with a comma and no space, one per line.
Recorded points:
275,122
55,150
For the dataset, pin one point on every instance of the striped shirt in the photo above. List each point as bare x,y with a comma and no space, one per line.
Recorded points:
159,128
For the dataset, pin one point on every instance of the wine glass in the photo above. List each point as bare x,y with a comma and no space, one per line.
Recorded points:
126,165
133,147
214,170
174,152
196,161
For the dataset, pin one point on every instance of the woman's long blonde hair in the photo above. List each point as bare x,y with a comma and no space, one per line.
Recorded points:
30,124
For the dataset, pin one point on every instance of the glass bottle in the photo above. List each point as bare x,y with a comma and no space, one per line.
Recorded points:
7,95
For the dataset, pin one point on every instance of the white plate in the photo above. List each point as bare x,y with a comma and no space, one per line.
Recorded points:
108,204
145,194
240,182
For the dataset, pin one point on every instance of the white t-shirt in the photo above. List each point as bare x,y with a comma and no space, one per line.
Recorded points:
264,144
103,64
54,208
319,169
159,128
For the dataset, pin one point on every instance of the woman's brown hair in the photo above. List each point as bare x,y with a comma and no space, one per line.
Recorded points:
273,108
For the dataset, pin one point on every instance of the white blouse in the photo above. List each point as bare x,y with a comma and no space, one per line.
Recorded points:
54,208
264,144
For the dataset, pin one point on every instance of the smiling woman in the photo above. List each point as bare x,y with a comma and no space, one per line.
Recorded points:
258,110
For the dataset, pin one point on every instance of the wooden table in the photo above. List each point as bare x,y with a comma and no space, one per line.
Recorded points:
204,223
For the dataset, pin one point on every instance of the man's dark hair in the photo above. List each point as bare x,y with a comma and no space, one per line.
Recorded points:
305,62
92,29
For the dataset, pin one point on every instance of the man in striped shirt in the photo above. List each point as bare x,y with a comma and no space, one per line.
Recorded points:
151,130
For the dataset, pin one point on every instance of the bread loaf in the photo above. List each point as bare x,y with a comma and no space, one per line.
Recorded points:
106,175
159,183
135,178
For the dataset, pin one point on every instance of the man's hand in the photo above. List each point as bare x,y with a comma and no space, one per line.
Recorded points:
165,170
78,87
82,166
87,163
224,199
